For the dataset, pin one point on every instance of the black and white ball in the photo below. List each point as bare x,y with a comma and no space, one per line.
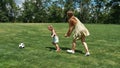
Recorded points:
21,45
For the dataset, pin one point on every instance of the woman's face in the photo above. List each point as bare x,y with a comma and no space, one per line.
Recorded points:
69,14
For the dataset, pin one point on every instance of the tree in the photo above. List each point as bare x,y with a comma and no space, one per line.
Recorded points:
98,11
7,10
12,11
55,12
114,15
68,5
88,11
34,11
84,11
27,11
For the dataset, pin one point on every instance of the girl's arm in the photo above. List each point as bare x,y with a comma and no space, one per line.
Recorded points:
53,33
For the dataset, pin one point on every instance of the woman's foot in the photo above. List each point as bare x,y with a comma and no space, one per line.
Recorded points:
87,54
71,51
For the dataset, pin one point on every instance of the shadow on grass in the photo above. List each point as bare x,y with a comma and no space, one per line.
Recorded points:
64,49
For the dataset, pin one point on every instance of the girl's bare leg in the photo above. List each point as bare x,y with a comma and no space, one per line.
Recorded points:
57,46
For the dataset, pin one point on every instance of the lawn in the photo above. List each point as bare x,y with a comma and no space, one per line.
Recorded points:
103,43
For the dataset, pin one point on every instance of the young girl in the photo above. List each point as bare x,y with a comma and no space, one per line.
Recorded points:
55,37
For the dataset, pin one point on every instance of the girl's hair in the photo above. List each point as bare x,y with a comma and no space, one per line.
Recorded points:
50,27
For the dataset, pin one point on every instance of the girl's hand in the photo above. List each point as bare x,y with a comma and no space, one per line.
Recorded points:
52,35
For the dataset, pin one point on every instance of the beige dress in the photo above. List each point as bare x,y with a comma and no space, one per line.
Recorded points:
79,30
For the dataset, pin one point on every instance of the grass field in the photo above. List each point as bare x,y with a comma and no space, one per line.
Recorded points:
103,43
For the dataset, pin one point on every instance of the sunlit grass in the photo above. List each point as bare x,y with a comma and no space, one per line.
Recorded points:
103,43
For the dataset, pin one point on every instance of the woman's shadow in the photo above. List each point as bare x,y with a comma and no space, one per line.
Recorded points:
64,49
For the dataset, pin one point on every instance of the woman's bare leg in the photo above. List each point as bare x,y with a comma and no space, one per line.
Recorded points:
74,45
84,44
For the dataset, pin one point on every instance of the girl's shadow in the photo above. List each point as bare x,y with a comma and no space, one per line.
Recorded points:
64,49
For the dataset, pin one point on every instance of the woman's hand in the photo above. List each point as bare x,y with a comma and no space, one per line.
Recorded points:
66,35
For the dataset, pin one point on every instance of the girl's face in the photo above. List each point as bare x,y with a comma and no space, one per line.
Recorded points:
50,28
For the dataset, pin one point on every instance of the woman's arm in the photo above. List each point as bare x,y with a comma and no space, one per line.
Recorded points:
72,23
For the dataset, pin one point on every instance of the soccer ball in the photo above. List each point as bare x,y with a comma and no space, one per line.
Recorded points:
21,45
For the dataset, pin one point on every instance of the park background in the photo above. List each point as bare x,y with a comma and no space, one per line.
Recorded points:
54,11
27,20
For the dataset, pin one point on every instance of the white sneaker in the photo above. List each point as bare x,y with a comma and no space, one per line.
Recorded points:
87,54
71,51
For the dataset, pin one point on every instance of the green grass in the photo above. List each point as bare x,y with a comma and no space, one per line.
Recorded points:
103,43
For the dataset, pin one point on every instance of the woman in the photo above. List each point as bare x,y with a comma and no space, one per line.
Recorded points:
80,32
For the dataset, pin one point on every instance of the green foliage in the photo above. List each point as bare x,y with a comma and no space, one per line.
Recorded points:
114,16
42,11
39,52
7,10
3,18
